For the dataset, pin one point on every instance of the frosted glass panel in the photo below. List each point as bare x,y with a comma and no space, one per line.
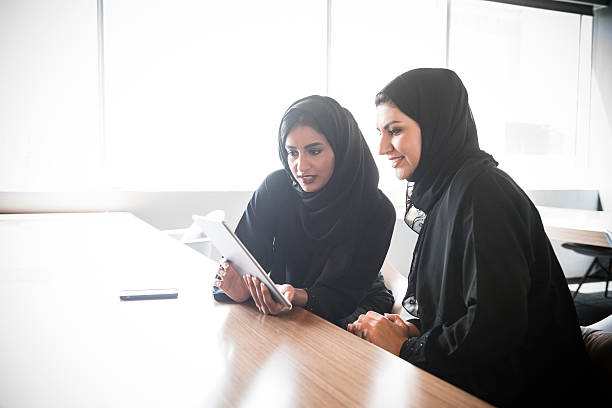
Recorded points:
521,67
49,138
196,90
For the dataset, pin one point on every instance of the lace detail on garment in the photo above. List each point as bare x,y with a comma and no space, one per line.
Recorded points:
414,217
411,305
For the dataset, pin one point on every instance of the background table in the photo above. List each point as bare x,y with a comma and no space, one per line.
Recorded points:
580,226
67,340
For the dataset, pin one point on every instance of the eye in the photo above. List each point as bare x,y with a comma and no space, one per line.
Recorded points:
292,153
395,131
315,152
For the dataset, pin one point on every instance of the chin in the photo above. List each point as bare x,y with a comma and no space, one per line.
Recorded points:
309,189
403,174
400,174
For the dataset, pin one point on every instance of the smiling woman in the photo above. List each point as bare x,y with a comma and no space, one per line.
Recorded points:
495,316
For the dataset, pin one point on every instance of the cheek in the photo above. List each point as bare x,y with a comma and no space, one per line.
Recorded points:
292,167
330,166
407,148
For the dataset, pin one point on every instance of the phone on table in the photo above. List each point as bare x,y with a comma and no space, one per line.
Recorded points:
144,294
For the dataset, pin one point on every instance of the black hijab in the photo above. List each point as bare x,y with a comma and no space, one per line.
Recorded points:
331,217
333,213
437,100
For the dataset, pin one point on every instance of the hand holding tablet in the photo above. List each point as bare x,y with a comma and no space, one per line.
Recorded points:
241,259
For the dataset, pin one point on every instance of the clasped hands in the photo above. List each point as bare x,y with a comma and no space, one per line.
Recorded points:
240,289
387,331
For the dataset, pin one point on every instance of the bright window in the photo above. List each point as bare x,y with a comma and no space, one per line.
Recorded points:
372,43
49,128
527,73
190,93
196,90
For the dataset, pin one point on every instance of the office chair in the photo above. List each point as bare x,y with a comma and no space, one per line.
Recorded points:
598,253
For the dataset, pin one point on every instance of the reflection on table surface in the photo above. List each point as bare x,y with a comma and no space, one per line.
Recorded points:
68,341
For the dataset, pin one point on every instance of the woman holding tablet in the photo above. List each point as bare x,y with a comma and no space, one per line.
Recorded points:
320,226
495,316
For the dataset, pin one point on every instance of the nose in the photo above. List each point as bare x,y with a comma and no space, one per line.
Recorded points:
385,145
303,163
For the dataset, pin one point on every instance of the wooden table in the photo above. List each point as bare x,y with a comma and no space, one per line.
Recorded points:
580,226
68,341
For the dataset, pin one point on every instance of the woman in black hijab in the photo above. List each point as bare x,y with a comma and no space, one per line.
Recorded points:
321,226
495,316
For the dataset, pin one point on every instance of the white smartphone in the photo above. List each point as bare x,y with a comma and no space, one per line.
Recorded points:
144,294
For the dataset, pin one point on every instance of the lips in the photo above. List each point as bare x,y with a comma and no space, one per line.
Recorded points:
396,161
309,179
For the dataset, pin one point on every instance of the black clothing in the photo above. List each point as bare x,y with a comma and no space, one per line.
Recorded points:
331,242
348,277
495,313
496,316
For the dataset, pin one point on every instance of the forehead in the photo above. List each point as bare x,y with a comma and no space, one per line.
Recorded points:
304,135
387,113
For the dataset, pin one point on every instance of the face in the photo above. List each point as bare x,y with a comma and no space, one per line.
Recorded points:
400,139
310,158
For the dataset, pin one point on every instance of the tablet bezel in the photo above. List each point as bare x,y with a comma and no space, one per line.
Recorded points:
244,263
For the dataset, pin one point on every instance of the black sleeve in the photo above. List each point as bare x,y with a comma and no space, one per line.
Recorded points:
257,225
493,250
337,298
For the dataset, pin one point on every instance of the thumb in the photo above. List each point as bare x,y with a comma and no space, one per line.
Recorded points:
287,291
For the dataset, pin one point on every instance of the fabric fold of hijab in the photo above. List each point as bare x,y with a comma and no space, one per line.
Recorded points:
332,214
437,100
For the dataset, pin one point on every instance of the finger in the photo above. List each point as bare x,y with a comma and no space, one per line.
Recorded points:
249,284
373,314
271,305
218,283
357,329
262,299
267,299
393,317
288,292
255,282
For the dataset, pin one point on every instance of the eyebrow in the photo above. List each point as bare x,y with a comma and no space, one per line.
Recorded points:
315,144
393,122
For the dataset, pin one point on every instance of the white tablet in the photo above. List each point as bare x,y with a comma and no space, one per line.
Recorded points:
234,251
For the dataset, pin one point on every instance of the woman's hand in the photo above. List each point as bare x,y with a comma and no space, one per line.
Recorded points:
231,283
263,298
389,331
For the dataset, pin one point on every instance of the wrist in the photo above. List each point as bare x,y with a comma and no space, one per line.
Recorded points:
300,298
412,330
398,347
